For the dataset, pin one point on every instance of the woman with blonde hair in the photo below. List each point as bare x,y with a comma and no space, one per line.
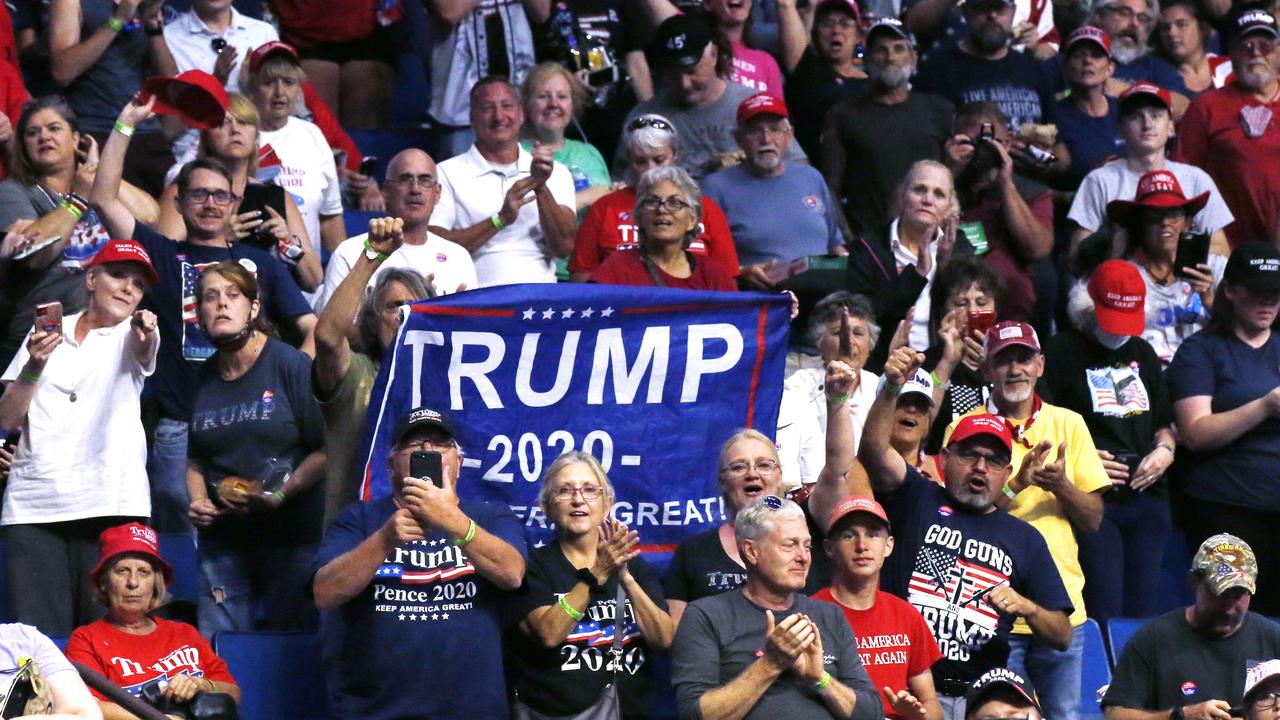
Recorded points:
552,100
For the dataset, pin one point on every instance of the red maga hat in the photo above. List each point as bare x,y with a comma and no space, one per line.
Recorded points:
195,96
132,538
130,251
1156,189
1119,297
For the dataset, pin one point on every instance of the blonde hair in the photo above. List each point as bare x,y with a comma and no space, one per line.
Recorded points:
241,108
158,593
543,72
574,457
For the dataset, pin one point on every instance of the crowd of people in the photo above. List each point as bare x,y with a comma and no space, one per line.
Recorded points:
1032,250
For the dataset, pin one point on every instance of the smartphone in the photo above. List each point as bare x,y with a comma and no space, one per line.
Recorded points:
423,464
259,197
981,320
368,165
1129,459
1193,250
48,317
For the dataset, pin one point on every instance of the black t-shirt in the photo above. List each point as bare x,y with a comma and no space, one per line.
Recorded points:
945,560
1120,393
565,680
259,426
813,89
1168,664
1014,82
877,144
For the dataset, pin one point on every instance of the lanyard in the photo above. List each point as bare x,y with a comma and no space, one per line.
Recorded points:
1019,432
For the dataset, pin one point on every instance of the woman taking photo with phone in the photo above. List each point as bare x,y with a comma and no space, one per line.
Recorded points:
255,464
80,466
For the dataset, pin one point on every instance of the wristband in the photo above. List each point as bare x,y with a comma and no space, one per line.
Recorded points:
1166,446
279,495
1009,492
27,375
568,610
824,682
153,32
471,535
115,23
125,130
70,207
497,222
370,249
893,387
837,399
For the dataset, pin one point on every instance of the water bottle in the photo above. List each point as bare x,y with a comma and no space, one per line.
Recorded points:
580,180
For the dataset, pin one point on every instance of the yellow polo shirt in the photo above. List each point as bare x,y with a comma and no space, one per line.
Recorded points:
1042,509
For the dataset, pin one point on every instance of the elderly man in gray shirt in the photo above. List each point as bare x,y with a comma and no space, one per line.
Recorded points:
766,650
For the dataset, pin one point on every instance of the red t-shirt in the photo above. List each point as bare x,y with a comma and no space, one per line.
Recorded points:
1004,256
625,267
303,26
893,640
13,94
131,661
1247,170
608,227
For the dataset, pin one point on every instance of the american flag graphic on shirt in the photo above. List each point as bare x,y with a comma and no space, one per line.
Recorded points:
1117,391
949,591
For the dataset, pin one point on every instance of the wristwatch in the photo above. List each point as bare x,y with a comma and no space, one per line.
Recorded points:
372,254
588,577
1176,714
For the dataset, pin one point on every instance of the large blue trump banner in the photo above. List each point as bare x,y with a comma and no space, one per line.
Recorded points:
651,381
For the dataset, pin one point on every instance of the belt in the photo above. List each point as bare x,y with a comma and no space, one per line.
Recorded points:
951,688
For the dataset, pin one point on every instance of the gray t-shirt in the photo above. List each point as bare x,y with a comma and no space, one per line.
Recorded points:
1115,181
1175,311
704,131
19,641
721,635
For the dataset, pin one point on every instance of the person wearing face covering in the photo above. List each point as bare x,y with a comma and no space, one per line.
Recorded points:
1104,369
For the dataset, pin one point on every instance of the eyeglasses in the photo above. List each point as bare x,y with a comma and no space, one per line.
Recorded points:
218,44
1127,13
1261,46
673,205
1266,701
428,446
648,122
200,196
969,456
764,131
426,182
589,493
845,23
742,467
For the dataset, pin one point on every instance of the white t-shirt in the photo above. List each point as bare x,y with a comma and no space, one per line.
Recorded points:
1175,311
306,170
1115,181
87,457
802,422
473,189
449,262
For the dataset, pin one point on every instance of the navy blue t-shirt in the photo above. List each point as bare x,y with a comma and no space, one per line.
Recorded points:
1232,373
945,560
1148,68
1091,140
424,639
183,345
259,426
1014,82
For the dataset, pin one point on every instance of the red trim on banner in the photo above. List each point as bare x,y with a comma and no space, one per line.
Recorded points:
366,485
755,371
468,312
671,308
656,548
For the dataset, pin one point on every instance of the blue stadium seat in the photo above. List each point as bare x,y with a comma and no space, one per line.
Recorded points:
180,551
61,641
384,144
279,674
1119,630
5,615
1096,673
357,221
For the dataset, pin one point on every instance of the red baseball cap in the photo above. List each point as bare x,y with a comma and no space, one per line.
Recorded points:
1009,333
853,504
1156,189
1119,295
971,426
267,49
131,538
1088,34
1143,94
126,251
195,96
761,104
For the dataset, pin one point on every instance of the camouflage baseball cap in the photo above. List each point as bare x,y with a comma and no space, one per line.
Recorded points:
1225,561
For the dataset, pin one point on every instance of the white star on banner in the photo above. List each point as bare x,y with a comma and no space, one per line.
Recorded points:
587,313
548,314
606,312
528,314
566,314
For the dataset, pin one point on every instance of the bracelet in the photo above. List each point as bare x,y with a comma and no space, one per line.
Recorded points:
29,376
370,249
471,535
1166,446
824,682
125,130
1010,492
893,387
569,610
497,222
279,495
115,23
212,687
70,207
837,399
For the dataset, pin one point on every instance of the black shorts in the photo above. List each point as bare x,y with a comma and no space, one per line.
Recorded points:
378,45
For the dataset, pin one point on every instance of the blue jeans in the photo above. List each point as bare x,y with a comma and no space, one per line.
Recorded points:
1055,674
1122,560
249,586
167,471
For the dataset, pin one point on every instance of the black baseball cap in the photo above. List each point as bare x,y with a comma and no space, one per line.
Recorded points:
999,678
1256,266
892,27
1250,20
682,39
422,417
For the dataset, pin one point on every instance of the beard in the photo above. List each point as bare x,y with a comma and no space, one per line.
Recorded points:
1125,50
890,77
1017,396
1254,79
970,499
990,38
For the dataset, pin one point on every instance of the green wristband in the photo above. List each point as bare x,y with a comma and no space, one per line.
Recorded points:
837,399
824,682
125,130
471,535
115,23
497,222
279,495
24,374
569,610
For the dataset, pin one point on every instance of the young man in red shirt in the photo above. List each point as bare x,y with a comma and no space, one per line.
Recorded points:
896,645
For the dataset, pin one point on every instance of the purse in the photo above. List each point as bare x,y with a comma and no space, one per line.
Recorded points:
607,706
24,692
204,706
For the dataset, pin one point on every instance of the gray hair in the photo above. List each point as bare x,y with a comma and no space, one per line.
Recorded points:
745,434
757,519
368,320
683,182
828,309
647,137
1100,4
1080,309
905,186
574,457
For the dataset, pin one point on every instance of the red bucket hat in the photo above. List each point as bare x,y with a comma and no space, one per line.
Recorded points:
131,538
1156,189
195,96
